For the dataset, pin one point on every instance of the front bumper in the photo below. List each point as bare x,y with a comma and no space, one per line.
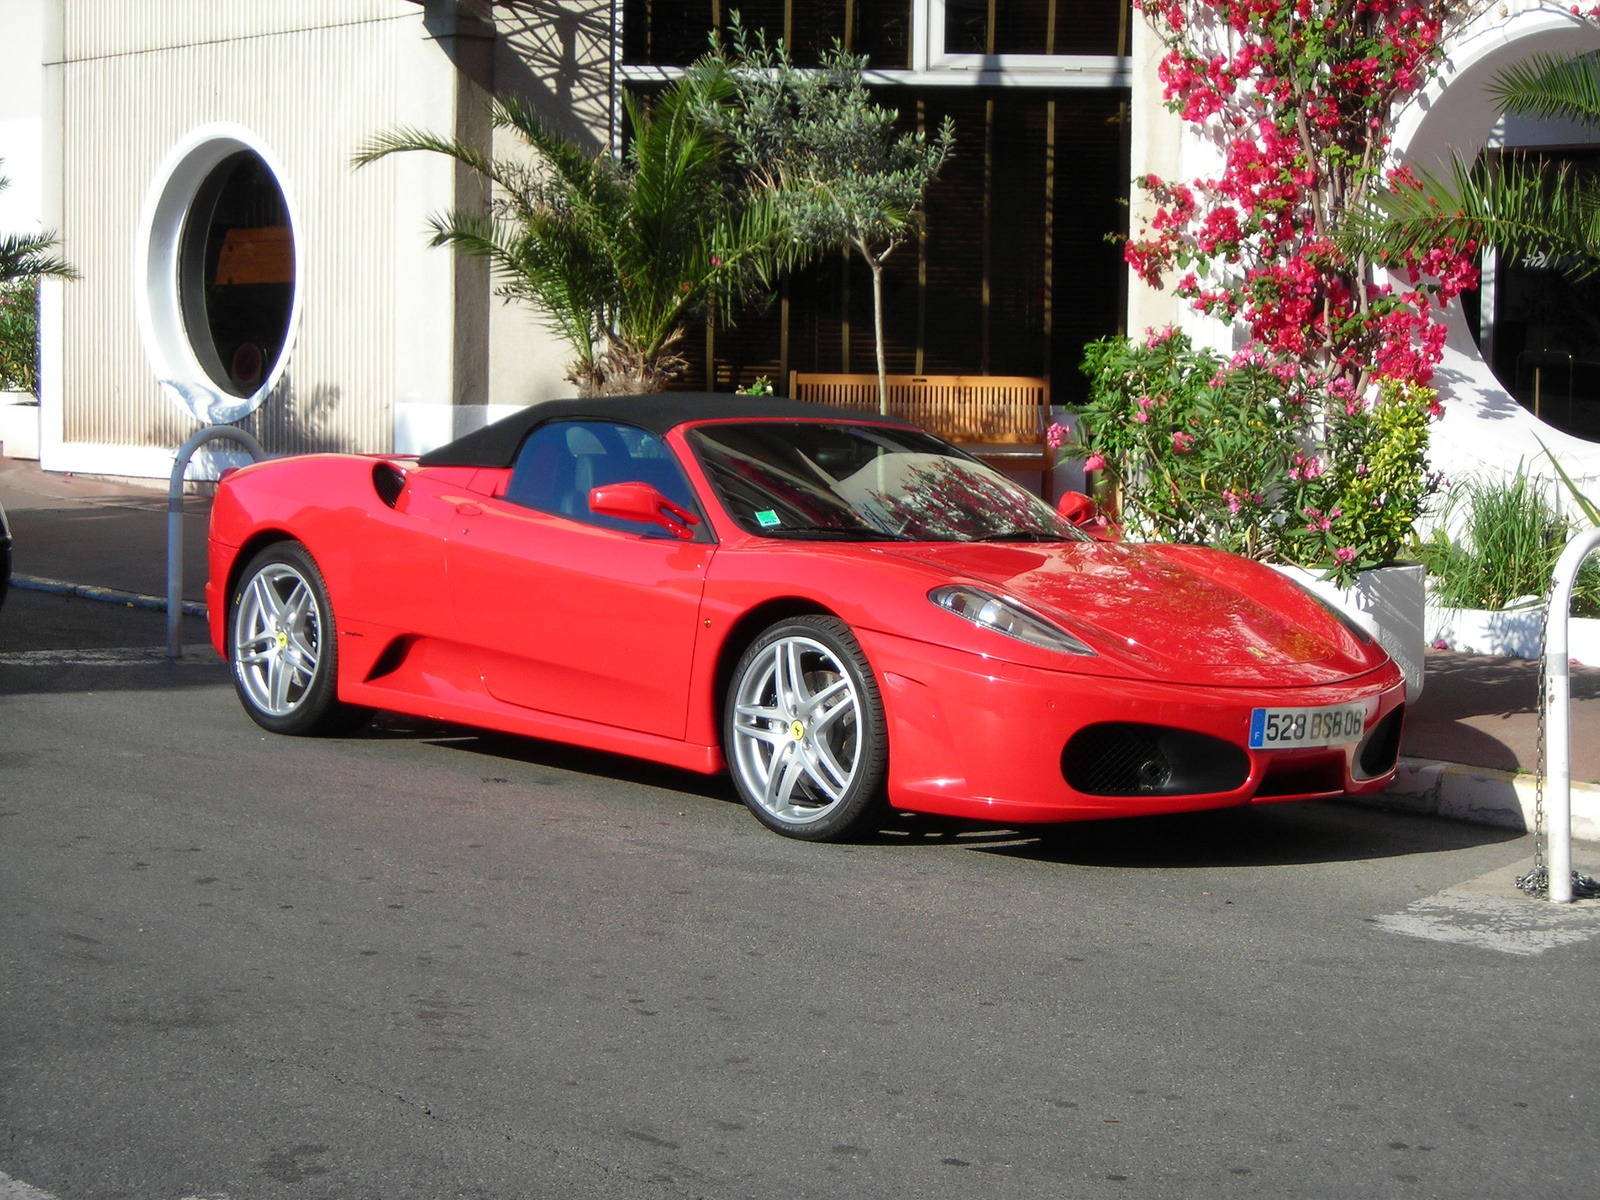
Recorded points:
978,737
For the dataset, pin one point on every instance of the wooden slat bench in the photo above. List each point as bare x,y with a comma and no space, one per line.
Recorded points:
1001,419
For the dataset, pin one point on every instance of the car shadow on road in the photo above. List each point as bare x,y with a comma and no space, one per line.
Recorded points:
1316,831
1280,834
554,755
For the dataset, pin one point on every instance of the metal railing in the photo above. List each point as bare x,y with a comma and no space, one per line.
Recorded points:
1558,714
211,433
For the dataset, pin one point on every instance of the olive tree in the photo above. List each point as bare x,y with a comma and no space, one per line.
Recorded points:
830,157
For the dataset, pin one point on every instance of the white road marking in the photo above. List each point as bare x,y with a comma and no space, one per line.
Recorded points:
101,656
1509,924
15,1189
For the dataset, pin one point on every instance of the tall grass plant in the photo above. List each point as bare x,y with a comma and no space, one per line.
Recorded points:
1510,533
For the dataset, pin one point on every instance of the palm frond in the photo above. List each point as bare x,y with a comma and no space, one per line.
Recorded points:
569,288
408,139
1547,85
1588,507
32,256
1526,206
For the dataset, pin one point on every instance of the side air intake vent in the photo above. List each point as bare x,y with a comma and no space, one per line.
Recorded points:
1121,759
388,481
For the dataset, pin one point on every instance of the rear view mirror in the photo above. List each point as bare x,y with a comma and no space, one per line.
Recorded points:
1075,507
641,502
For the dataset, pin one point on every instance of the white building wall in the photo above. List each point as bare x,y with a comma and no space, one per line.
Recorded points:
21,115
1485,432
1155,139
556,55
311,79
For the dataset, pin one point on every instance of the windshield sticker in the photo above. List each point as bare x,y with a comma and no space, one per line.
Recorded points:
767,518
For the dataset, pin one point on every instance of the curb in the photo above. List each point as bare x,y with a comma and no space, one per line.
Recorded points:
58,587
1480,795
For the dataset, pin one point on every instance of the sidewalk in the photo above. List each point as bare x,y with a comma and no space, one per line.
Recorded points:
98,532
1468,747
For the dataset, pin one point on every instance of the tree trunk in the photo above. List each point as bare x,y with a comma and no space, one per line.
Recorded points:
877,329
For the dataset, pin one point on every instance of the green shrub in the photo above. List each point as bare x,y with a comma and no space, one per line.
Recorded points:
19,337
1196,453
1256,458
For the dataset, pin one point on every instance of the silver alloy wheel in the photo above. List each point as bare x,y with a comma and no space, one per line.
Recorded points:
277,639
796,734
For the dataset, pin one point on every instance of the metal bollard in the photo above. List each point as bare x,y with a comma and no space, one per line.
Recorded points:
1558,715
211,433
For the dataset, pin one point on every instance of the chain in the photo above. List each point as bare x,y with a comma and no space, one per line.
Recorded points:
1537,881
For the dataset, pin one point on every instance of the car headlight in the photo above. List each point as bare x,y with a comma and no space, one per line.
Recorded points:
989,611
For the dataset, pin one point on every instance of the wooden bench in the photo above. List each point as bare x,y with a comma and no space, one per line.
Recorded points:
1001,419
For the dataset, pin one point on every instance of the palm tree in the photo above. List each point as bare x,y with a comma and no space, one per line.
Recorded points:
1522,206
616,256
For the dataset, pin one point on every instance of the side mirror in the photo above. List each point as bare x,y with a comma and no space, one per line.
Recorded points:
1075,507
641,502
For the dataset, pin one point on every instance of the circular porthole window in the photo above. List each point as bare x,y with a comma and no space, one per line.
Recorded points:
218,296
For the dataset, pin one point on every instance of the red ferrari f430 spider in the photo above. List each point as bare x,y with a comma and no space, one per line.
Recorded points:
842,610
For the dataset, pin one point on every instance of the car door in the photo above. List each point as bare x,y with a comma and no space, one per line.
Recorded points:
570,612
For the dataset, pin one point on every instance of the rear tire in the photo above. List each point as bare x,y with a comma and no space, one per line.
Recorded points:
804,730
282,646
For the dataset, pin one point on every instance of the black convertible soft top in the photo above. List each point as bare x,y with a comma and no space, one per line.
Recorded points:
497,445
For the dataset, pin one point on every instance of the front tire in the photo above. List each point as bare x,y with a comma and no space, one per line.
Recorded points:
804,731
282,646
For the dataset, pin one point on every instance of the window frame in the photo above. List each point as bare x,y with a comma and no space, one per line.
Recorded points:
930,65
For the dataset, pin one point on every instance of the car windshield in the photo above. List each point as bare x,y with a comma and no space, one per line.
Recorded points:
840,481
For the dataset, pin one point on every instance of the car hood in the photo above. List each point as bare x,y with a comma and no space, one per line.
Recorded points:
1165,610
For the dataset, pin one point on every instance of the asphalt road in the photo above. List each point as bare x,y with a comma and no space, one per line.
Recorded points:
423,963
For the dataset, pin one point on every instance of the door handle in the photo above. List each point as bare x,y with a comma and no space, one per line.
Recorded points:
469,510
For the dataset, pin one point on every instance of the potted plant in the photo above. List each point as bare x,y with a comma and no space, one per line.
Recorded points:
1489,564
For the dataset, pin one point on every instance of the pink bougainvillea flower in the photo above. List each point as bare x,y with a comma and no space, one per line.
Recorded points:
1344,555
1055,435
1094,463
1181,442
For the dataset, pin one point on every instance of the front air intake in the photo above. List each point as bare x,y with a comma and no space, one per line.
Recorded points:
1380,749
1122,759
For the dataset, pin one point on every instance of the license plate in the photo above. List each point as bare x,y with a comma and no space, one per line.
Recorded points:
1275,728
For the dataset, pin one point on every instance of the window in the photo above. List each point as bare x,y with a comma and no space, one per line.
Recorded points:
666,33
219,297
560,463
236,273
969,29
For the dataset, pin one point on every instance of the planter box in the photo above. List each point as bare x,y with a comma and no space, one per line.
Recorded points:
1387,602
1513,634
19,425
